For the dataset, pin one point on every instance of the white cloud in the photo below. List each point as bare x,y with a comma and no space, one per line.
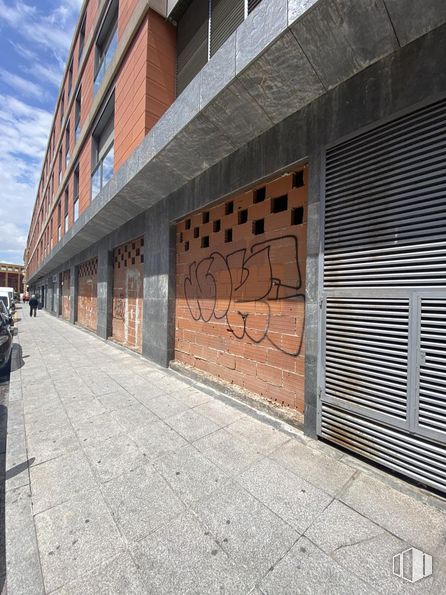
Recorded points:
24,86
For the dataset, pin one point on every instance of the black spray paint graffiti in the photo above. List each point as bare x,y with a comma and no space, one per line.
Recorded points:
241,288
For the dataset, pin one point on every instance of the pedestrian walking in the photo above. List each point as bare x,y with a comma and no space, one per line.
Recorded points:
33,303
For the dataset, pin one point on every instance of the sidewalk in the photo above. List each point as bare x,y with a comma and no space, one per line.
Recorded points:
123,478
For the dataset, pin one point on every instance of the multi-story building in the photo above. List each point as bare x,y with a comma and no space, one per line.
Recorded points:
11,275
255,191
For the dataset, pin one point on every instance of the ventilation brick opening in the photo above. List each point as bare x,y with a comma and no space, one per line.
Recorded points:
297,216
260,195
279,204
217,225
187,224
229,208
186,246
206,217
243,216
196,232
258,227
298,179
205,242
228,236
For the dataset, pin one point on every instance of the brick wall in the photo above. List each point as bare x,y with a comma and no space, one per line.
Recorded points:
240,290
128,284
87,294
65,295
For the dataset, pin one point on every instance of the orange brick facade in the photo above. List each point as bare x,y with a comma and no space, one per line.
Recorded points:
87,294
128,284
240,295
65,295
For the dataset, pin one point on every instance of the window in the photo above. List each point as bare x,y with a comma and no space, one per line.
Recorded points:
59,234
77,115
66,211
60,165
103,152
62,106
67,145
76,194
81,38
70,77
106,43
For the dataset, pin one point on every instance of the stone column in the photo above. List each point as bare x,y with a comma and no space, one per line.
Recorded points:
159,286
105,291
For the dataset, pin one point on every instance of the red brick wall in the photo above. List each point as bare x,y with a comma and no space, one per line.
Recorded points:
87,294
128,284
65,293
240,300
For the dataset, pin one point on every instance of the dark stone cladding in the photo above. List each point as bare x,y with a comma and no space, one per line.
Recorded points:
399,82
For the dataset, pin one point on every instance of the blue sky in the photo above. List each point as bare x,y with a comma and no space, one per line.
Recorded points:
34,43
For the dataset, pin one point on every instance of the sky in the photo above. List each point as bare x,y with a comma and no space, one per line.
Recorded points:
35,37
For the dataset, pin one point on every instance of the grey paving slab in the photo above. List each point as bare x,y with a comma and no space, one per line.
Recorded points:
264,437
48,445
228,452
292,498
97,428
43,422
190,396
75,537
101,384
81,409
117,400
339,526
219,412
184,558
114,456
141,501
22,558
119,575
134,416
59,479
306,569
319,469
248,531
191,425
166,406
190,474
417,523
157,440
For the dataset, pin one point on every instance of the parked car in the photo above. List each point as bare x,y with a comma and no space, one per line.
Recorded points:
6,299
5,337
9,291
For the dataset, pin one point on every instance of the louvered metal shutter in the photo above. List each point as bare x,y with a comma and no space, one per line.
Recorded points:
252,4
384,308
192,42
226,16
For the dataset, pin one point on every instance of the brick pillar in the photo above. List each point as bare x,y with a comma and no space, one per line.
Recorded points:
159,286
105,289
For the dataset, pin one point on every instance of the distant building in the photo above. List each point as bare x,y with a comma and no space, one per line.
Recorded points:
11,275
254,190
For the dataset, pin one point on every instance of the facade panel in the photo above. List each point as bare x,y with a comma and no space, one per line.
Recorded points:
87,294
128,283
241,290
65,295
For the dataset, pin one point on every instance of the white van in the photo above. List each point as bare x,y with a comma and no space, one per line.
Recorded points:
7,296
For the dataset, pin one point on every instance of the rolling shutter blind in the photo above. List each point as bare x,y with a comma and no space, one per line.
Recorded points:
252,4
226,16
192,43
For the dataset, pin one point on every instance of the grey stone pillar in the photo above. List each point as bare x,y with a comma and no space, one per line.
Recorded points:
159,286
312,294
73,294
105,291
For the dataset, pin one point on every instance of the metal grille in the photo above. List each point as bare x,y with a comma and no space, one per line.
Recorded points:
413,456
192,43
432,391
226,16
385,220
367,353
252,4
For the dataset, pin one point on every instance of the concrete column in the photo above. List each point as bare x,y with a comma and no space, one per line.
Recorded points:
105,291
73,294
312,294
159,286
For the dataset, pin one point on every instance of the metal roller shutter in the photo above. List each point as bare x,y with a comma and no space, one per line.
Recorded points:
192,43
383,386
226,16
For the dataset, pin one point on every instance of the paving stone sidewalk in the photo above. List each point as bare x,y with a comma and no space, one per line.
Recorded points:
123,478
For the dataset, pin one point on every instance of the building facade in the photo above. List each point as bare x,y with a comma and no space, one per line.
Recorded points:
253,191
11,275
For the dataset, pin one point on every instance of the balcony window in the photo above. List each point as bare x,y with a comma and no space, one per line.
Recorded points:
81,38
60,166
66,200
67,145
106,43
76,194
70,77
77,115
62,107
103,149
